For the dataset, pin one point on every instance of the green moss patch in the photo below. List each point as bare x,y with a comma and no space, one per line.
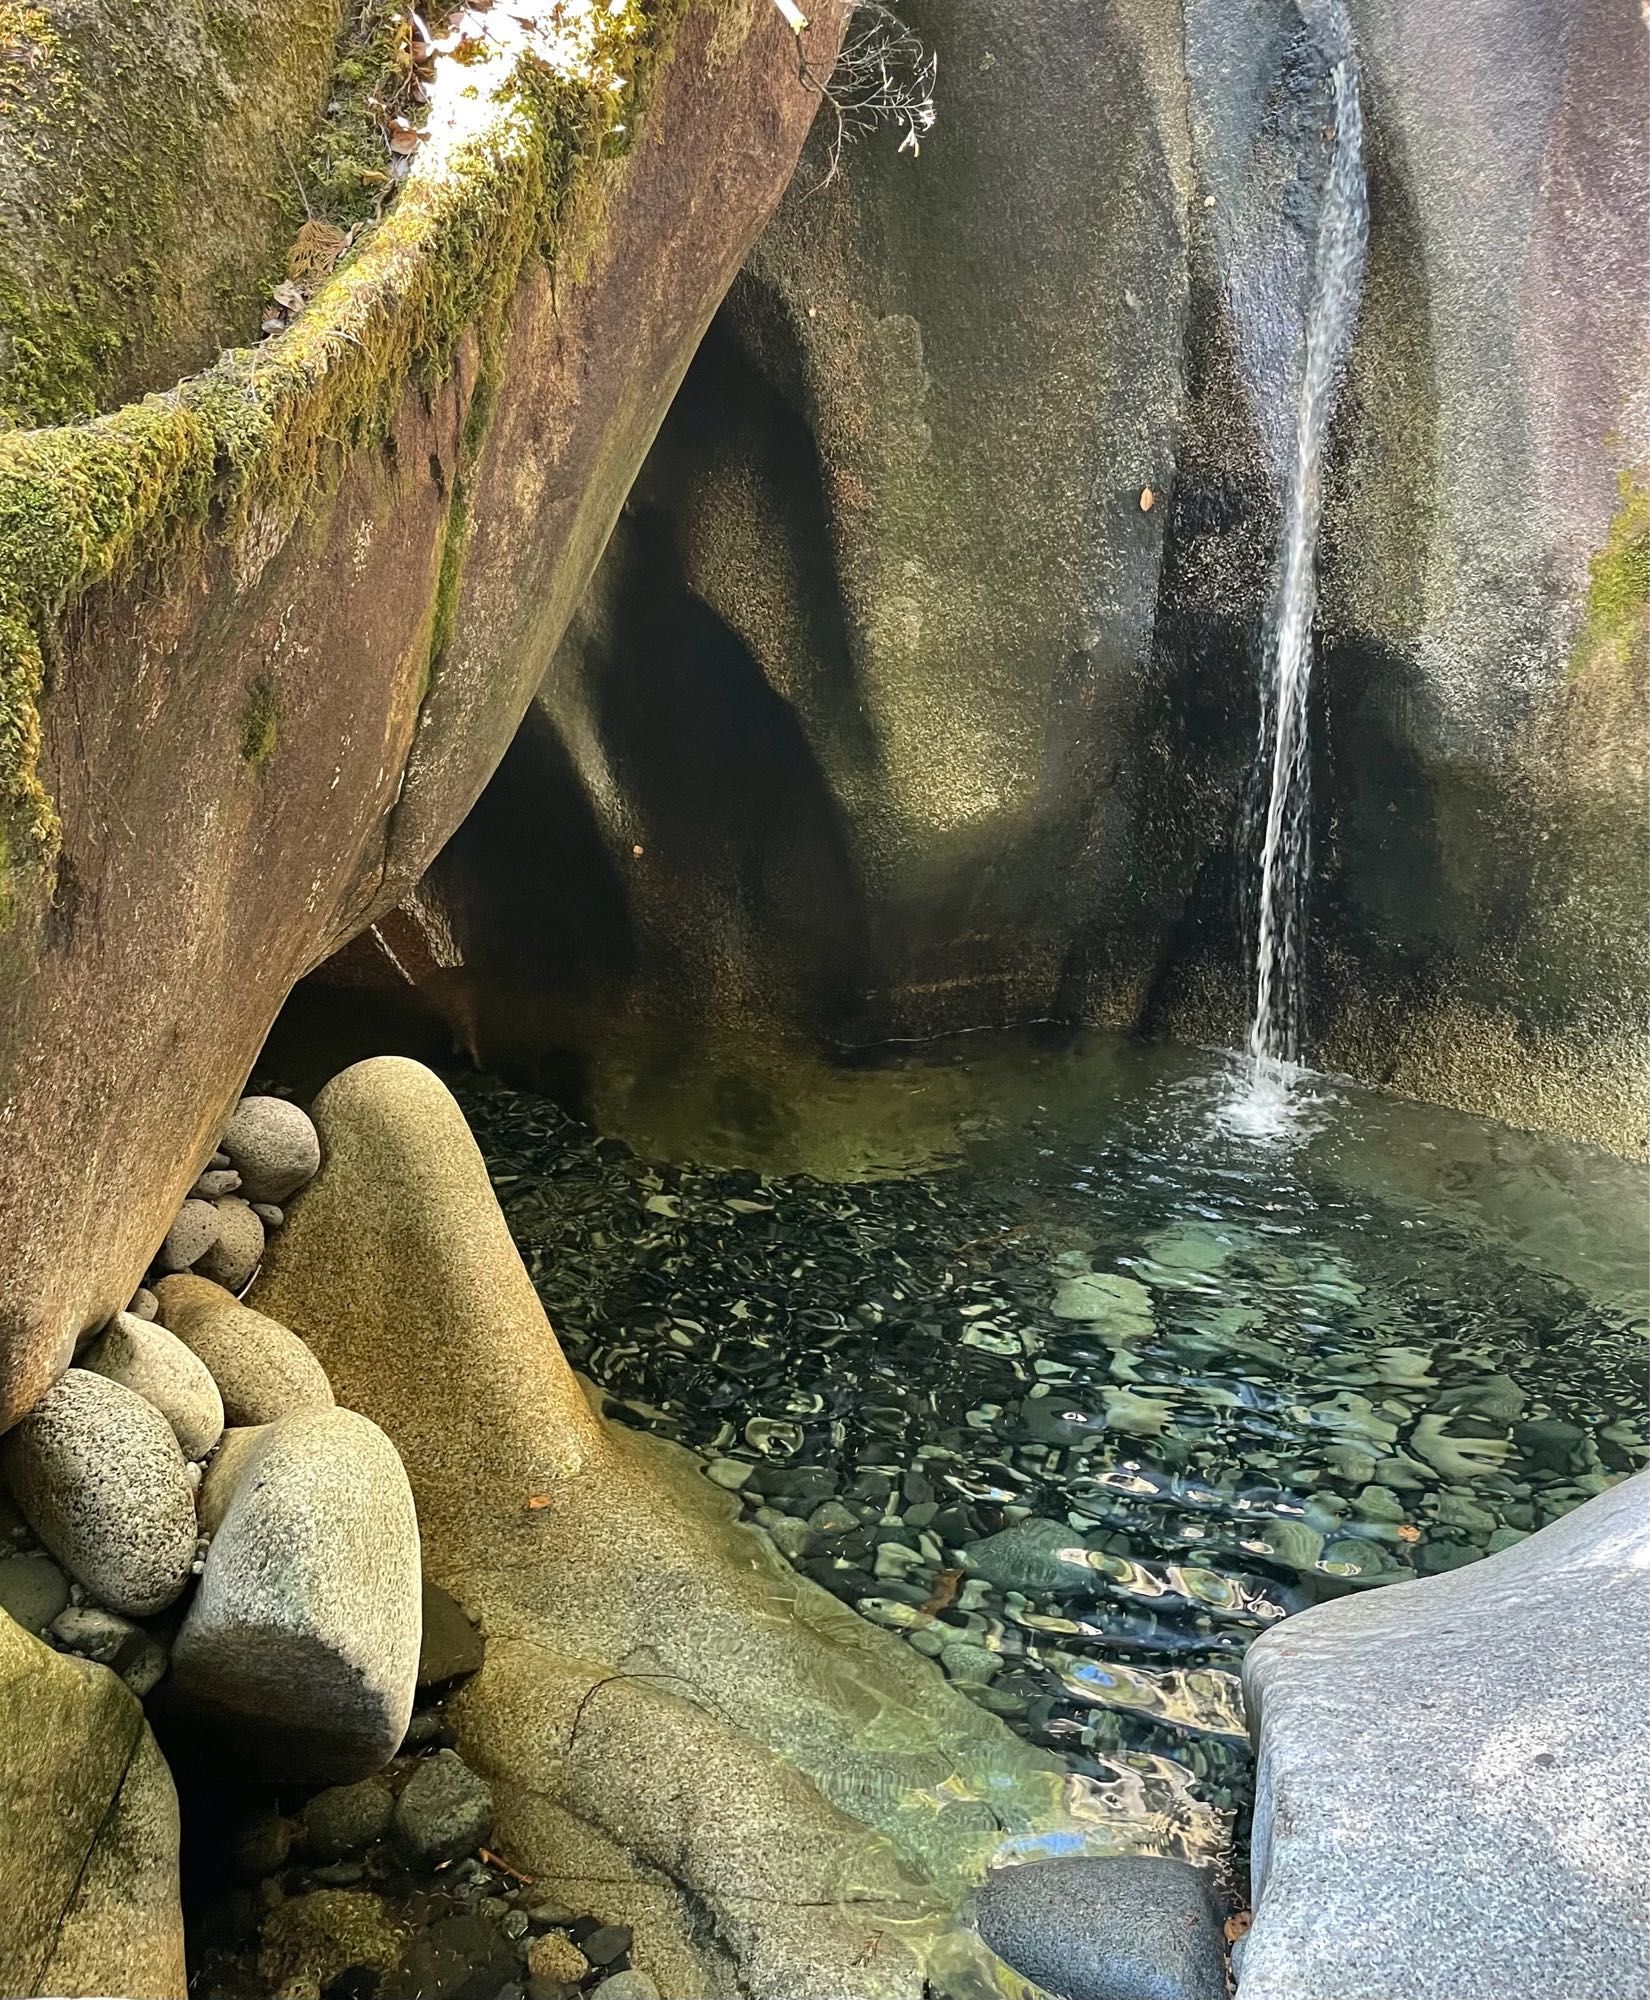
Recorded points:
1618,592
241,449
260,722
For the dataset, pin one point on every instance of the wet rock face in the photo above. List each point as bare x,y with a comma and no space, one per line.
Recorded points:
955,727
1519,1684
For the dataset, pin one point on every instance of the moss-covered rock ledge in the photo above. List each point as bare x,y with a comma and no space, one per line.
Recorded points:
263,638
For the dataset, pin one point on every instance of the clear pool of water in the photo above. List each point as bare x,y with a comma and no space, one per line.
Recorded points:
1029,1349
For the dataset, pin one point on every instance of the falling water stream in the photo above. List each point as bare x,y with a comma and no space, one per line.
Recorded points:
1283,767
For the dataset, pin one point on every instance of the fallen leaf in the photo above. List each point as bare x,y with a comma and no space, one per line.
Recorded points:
404,138
1237,1925
944,1592
1408,1534
315,249
536,1501
288,297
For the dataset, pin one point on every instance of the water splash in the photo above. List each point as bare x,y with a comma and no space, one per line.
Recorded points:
1282,763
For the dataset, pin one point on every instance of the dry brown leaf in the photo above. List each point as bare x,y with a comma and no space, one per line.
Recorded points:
315,249
538,1500
404,138
288,296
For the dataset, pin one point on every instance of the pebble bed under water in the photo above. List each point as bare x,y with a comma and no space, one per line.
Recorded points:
1086,1393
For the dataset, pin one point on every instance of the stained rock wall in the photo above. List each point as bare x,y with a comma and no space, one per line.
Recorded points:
896,707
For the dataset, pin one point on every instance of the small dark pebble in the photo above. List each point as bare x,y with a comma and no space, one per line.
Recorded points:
544,1913
338,1874
874,1488
262,1846
605,1945
424,1728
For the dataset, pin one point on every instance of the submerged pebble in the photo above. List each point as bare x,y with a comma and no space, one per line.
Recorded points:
1081,1415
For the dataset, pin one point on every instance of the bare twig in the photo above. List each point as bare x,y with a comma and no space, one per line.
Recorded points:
882,76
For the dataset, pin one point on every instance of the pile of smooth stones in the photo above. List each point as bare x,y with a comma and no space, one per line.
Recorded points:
193,1508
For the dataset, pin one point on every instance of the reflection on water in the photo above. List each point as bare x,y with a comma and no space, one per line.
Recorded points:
1022,1348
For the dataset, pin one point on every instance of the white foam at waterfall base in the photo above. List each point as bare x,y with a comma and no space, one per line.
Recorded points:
1281,831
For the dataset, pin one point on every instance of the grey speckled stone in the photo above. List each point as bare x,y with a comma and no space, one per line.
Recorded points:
155,1365
273,1146
262,1369
1469,1758
100,1479
632,1985
299,1649
346,1818
444,1812
33,1590
1135,1927
452,1647
193,1232
235,1256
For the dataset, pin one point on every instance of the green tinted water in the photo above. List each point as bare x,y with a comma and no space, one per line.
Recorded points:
1020,1347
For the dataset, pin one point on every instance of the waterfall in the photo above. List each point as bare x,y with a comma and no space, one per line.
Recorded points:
1278,828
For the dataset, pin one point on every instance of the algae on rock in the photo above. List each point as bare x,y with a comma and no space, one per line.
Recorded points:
88,1833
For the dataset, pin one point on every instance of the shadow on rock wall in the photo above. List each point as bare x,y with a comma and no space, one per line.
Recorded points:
923,669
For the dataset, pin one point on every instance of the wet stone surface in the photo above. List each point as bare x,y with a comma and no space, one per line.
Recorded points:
1080,1415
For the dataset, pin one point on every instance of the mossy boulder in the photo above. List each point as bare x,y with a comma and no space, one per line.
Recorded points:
88,1833
264,637
147,187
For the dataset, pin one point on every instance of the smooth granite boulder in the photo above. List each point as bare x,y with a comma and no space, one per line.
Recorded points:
100,1478
157,1366
301,1645
262,1369
88,1834
273,1146
237,1247
1453,1776
1138,1927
